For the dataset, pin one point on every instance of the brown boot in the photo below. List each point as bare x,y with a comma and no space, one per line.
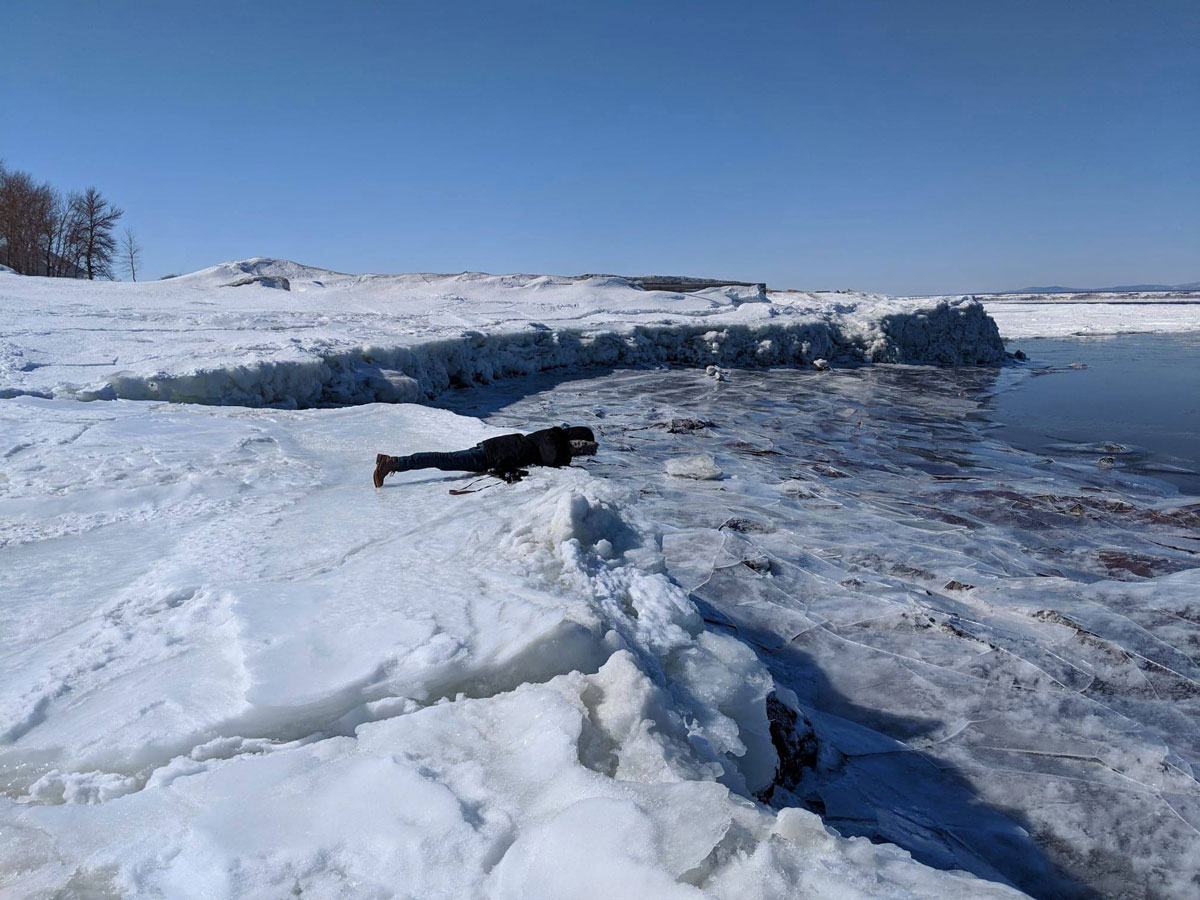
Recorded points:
383,468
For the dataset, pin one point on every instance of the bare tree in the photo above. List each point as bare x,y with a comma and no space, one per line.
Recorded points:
26,218
61,234
131,253
98,218
6,216
43,233
66,249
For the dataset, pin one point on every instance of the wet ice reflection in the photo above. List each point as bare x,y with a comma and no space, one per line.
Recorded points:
961,621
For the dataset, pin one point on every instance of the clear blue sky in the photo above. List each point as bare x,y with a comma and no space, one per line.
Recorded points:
909,147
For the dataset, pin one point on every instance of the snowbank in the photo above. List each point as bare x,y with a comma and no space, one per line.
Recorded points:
331,338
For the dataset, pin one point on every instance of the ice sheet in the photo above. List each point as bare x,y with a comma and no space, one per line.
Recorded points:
997,651
1094,313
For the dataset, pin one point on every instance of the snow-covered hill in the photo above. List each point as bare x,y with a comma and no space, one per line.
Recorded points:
301,336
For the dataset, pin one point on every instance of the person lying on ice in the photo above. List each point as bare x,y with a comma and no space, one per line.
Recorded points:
501,455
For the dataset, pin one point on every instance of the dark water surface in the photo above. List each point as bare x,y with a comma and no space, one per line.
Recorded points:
1139,392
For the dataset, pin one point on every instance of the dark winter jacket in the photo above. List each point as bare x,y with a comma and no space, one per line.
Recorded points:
548,447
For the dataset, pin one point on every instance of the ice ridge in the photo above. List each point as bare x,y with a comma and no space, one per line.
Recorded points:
957,332
267,332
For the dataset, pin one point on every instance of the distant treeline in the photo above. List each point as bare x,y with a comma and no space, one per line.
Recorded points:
44,232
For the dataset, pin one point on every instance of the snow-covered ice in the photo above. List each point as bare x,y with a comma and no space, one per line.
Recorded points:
1093,313
233,668
872,653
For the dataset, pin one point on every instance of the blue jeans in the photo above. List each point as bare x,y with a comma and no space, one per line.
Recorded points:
472,460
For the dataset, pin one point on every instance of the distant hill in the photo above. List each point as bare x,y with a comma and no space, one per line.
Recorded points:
1059,289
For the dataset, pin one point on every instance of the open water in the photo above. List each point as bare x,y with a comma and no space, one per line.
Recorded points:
1137,400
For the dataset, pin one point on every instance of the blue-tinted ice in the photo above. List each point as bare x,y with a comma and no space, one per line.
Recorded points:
995,650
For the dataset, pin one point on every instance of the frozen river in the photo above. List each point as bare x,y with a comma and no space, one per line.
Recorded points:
996,650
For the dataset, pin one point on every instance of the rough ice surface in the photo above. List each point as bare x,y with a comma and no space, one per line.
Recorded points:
880,656
993,654
230,667
341,339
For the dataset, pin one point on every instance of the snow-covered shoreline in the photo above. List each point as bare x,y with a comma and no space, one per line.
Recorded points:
341,339
265,332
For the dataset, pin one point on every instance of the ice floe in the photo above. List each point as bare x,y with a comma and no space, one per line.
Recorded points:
1093,313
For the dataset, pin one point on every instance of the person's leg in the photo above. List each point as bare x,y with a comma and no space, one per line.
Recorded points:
472,460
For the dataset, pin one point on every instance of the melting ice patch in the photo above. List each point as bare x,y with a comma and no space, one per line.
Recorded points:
701,467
